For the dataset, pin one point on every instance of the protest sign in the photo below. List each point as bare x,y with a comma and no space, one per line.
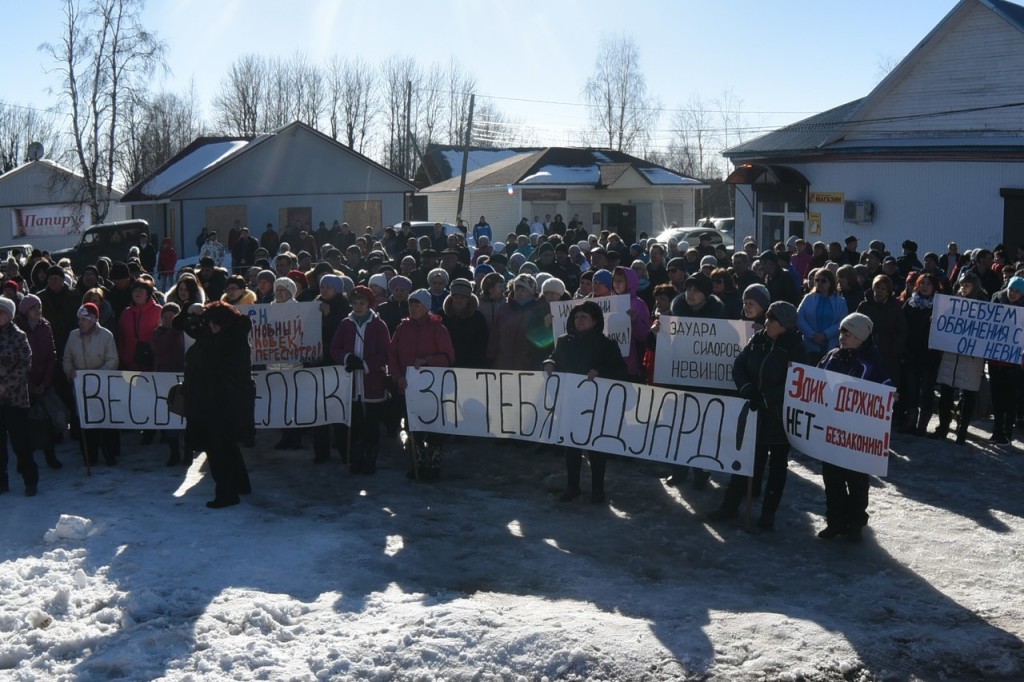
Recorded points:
694,351
981,329
284,398
285,333
838,418
617,323
617,417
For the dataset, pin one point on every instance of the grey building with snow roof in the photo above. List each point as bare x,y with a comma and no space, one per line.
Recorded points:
293,175
608,189
935,153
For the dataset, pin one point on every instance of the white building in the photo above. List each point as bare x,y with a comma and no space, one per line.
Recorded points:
609,190
41,203
934,153
294,175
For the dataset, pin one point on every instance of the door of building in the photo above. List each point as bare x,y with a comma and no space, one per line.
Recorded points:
1013,217
621,219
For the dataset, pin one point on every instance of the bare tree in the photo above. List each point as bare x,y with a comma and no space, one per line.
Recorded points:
695,144
20,127
460,86
622,113
157,128
239,104
308,91
491,128
399,76
104,56
429,105
730,118
351,104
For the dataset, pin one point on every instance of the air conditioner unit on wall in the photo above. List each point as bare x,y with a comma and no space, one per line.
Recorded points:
858,211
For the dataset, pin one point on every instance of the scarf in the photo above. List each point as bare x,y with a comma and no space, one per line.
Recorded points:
919,302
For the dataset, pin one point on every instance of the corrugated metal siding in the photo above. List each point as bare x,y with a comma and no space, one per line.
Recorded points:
974,62
932,203
39,184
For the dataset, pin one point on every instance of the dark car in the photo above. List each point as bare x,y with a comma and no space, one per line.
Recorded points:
112,240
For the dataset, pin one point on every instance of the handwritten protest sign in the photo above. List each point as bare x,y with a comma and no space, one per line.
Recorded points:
285,333
284,399
617,417
981,329
839,419
617,323
699,352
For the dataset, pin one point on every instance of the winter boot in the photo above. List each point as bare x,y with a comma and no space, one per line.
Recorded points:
51,458
940,432
922,423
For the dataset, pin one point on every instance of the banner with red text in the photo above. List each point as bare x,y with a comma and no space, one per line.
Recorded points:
285,333
838,418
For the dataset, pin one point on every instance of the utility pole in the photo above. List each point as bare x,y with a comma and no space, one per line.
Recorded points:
408,129
465,158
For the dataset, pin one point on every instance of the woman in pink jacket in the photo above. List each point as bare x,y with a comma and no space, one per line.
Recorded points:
421,340
135,329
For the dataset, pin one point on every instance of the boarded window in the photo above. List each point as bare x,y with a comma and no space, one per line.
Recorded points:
222,219
359,214
299,216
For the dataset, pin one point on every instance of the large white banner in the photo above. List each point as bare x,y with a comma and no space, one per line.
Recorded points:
694,351
981,329
617,323
839,419
47,221
293,398
285,333
634,420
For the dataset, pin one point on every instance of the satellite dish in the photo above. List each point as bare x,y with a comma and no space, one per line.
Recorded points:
35,151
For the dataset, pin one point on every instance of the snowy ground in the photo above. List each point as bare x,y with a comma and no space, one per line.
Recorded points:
486,576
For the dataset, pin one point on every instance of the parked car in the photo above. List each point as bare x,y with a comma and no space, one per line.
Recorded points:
425,228
9,250
726,225
112,240
691,235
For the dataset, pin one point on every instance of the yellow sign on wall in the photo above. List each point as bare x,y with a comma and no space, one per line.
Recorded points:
827,197
814,224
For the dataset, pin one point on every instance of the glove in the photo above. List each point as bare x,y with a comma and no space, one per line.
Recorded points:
750,394
353,363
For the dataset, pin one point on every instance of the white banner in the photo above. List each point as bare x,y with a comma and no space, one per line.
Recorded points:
981,329
285,333
634,420
47,221
617,323
839,419
293,398
694,351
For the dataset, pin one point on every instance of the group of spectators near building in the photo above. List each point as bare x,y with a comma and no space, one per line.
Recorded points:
391,300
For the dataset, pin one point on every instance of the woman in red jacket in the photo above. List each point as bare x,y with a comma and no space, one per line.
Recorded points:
135,329
166,262
421,340
361,344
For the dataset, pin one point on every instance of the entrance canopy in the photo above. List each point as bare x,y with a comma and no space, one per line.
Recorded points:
759,174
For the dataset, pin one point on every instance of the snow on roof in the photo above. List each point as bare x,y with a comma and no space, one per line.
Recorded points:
564,175
189,166
478,158
662,176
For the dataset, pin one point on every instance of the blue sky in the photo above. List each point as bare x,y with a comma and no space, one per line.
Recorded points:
784,59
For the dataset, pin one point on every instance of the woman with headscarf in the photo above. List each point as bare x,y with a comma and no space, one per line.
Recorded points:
466,325
135,329
15,369
585,350
361,345
220,396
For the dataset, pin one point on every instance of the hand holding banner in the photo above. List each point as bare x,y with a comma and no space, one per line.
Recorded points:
981,329
286,333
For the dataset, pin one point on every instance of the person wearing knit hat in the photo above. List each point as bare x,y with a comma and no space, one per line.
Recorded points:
756,300
553,289
515,262
526,282
602,283
1016,284
27,303
846,491
399,282
760,372
378,280
265,286
284,290
1005,377
709,262
90,311
466,325
7,306
420,296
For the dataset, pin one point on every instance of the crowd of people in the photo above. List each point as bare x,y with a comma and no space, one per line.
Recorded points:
391,300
